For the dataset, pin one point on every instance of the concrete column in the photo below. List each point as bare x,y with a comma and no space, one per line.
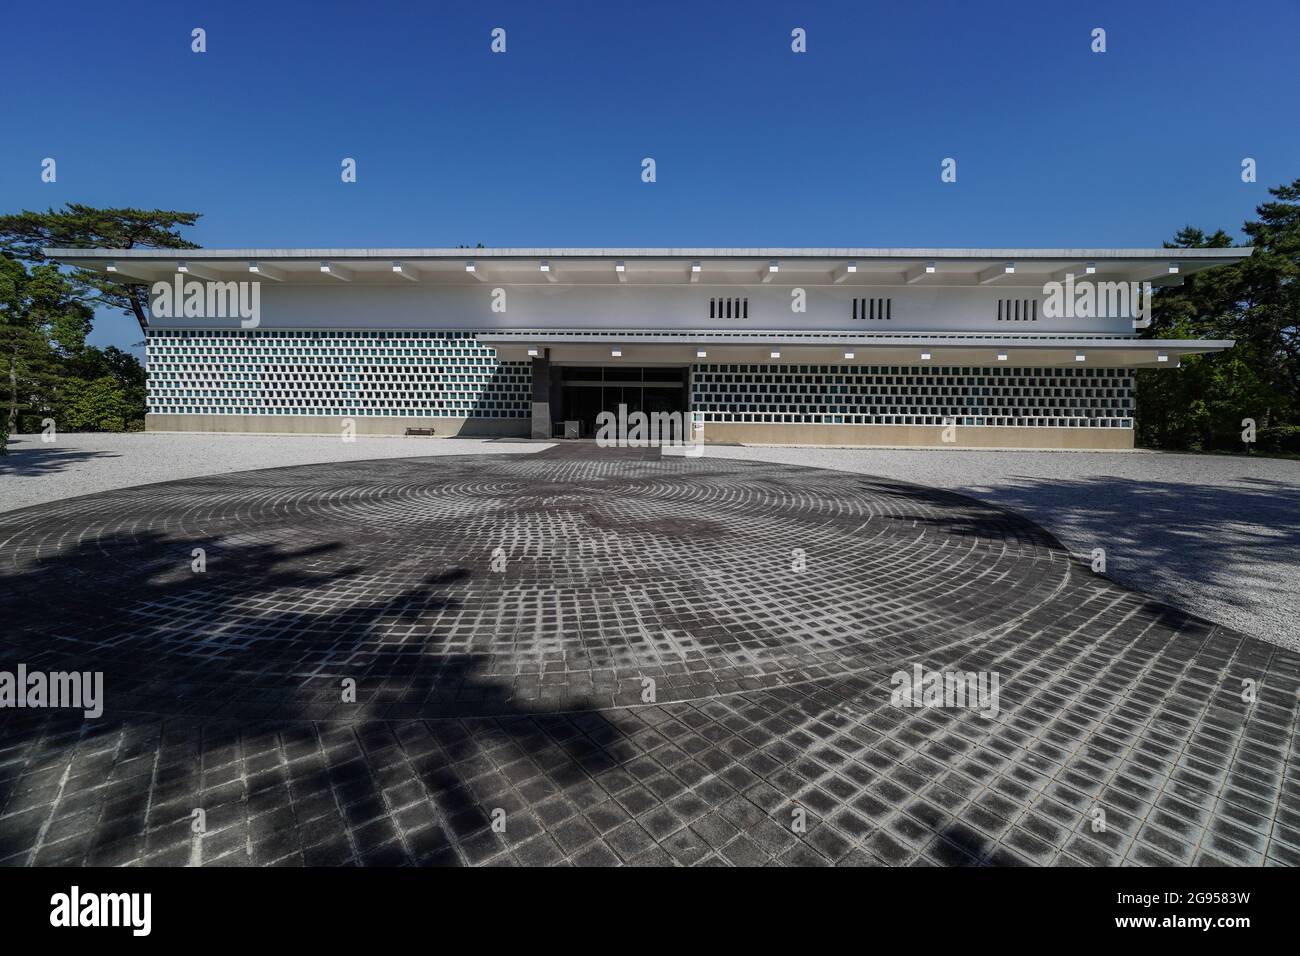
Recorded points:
557,394
542,395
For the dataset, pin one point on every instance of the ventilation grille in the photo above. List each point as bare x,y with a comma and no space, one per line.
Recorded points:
1017,310
910,395
873,310
419,374
729,308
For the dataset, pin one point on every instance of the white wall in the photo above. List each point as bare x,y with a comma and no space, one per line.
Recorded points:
340,306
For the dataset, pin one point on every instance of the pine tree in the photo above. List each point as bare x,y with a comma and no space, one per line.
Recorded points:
1256,302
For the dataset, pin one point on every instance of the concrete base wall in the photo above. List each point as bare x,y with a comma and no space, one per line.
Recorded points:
970,436
328,425
755,434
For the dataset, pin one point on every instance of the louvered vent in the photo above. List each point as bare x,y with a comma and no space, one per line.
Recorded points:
873,310
1017,310
729,308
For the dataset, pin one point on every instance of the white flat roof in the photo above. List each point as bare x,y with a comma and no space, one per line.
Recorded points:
1231,254
720,266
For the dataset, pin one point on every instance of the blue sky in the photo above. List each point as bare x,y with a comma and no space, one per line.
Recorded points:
754,145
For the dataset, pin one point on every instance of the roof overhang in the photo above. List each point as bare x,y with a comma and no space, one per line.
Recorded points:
598,347
716,266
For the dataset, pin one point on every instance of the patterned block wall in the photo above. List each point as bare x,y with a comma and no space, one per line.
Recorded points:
902,395
424,374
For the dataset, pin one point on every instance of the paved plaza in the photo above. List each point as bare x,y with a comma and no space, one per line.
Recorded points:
1215,535
614,657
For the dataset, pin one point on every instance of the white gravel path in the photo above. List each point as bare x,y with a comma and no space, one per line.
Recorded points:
1216,536
83,464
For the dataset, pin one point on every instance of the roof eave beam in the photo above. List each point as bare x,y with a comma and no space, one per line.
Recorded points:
994,273
126,270
261,271
1076,269
917,273
336,271
1167,273
199,272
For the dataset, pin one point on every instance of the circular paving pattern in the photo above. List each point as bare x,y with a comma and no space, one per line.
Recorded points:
641,659
484,584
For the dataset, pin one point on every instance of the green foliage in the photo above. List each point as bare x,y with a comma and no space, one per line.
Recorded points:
1201,405
46,312
41,323
46,368
99,405
25,235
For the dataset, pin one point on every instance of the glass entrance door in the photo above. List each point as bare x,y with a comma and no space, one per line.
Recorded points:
589,390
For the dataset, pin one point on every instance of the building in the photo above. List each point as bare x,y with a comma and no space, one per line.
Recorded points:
1015,348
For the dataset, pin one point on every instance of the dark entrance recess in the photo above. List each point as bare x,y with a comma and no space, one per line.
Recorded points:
586,391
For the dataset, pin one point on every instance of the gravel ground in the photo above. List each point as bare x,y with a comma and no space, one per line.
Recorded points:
82,464
1216,536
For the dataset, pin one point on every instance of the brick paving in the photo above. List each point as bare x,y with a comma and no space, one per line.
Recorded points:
504,619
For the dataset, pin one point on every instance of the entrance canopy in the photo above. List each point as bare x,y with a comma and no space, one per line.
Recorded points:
612,347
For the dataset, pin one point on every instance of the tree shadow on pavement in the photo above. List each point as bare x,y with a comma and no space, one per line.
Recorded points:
1241,543
225,693
34,460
